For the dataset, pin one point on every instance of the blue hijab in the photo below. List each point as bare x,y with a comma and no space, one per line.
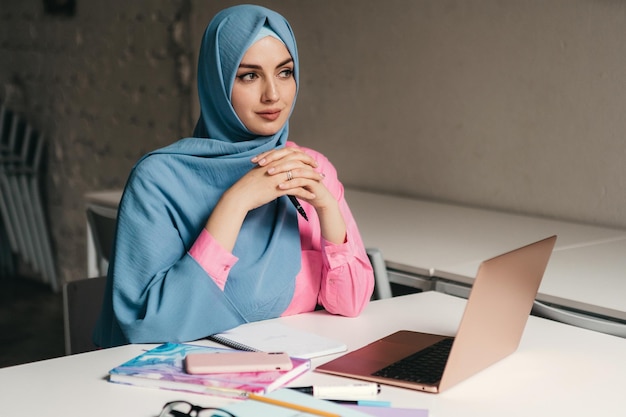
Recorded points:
156,292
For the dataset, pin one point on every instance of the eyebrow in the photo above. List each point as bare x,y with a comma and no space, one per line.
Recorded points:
254,66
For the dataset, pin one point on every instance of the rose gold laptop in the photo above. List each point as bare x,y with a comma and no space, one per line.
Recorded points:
491,328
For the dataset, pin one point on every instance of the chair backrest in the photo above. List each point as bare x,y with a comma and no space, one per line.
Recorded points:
82,301
102,221
382,287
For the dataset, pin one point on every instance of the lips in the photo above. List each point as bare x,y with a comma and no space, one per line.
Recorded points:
270,115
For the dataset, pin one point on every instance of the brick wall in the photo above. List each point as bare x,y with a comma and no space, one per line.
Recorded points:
105,86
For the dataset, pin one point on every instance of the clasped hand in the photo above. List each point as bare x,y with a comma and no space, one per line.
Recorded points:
285,171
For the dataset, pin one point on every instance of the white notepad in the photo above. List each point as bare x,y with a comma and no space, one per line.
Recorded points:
270,336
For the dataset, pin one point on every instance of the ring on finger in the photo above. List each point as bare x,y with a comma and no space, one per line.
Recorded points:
289,176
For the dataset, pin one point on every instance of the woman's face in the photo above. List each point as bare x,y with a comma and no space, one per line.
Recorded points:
264,87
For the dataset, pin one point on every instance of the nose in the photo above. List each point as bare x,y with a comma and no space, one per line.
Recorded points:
270,91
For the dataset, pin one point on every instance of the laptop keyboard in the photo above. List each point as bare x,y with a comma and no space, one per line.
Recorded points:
425,366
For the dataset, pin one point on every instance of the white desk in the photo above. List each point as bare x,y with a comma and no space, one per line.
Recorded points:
590,278
420,236
446,241
559,370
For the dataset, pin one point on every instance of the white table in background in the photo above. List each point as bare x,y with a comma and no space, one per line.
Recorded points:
439,246
590,278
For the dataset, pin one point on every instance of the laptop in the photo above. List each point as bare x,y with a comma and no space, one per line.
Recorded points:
491,328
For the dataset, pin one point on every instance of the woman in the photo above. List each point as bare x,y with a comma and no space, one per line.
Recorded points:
207,235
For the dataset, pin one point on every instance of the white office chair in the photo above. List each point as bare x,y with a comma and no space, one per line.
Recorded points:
382,287
102,222
21,210
24,179
12,215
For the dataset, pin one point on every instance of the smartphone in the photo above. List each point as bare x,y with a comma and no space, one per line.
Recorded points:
237,361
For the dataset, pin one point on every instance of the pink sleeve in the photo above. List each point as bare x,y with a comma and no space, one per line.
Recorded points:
348,282
213,258
339,277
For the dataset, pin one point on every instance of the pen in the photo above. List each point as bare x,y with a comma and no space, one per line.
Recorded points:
298,207
351,391
367,403
236,393
291,406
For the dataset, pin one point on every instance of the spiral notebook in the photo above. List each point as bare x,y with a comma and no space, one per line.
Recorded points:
271,336
163,367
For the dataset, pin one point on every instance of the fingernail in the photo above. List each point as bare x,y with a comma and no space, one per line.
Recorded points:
271,170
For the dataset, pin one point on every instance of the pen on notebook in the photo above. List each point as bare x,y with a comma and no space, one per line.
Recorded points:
298,207
351,391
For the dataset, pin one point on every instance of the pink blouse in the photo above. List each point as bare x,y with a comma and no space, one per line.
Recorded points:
338,277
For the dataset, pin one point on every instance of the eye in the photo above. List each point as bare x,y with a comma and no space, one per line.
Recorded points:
248,76
286,73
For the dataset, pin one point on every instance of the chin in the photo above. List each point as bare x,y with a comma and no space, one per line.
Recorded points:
267,130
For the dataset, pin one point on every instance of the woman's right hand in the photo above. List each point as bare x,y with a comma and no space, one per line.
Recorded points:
254,189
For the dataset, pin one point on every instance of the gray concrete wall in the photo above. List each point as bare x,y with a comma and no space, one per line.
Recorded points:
105,86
